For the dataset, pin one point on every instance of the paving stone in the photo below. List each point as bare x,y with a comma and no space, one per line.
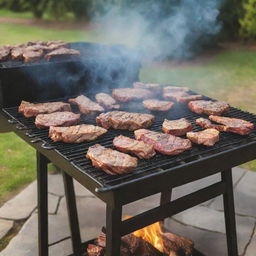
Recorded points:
53,202
55,184
22,205
208,243
62,248
5,226
244,195
211,220
251,250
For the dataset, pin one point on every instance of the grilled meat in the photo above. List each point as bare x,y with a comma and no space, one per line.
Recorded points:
177,127
76,134
106,101
207,137
159,105
125,120
129,94
139,148
234,125
85,105
62,53
95,250
57,119
17,53
206,124
4,53
156,88
111,161
30,109
57,44
32,55
208,107
164,143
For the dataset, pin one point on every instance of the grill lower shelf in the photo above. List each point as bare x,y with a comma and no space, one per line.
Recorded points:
75,153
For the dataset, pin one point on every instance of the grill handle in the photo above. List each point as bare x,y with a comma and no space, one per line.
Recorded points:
45,144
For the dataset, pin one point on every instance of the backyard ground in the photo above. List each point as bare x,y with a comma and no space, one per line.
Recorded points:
228,73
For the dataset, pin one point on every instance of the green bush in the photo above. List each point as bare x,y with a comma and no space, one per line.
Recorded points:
248,22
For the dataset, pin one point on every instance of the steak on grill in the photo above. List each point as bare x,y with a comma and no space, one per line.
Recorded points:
205,123
177,127
76,134
158,105
60,53
106,101
164,143
138,148
234,125
129,94
30,109
207,137
4,53
85,105
124,120
208,107
32,55
156,88
111,161
56,119
17,53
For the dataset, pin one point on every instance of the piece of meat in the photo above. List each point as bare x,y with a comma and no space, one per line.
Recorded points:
177,127
76,134
208,107
177,245
32,55
85,105
106,101
158,105
125,120
156,88
234,125
4,53
61,53
30,109
207,137
129,94
17,53
94,250
111,161
205,123
56,44
164,143
57,119
138,148
173,89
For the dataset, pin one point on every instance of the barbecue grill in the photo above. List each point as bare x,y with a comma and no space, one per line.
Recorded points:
157,175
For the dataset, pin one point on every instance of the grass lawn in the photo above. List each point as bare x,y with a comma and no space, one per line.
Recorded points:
230,76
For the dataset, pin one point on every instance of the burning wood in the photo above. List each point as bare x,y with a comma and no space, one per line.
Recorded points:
150,240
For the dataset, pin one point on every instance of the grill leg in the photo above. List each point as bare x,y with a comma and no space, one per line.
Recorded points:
42,196
166,197
113,234
72,213
229,211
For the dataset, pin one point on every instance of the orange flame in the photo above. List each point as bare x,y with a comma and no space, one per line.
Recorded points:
152,234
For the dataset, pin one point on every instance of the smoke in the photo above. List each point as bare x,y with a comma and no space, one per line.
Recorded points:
159,28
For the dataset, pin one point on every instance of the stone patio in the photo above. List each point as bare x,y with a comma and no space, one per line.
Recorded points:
204,224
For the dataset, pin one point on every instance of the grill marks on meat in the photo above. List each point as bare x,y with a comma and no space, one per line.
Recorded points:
32,55
179,94
208,107
139,148
164,143
61,53
207,137
17,53
125,120
111,161
177,127
85,105
56,119
129,94
106,101
205,123
29,109
156,88
4,53
234,125
76,134
158,105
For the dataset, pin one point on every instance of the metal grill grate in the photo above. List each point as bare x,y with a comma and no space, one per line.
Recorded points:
75,153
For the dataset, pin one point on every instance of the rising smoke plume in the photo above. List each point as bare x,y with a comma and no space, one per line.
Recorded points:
177,31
